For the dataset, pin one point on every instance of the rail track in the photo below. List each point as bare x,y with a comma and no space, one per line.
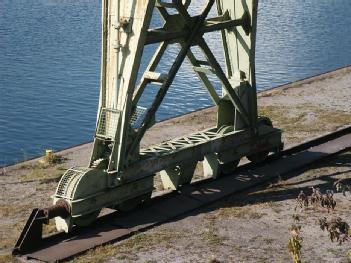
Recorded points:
117,226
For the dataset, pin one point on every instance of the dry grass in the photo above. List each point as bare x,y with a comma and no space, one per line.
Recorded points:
53,159
13,210
244,212
10,233
125,249
270,93
212,238
301,116
49,228
304,120
8,258
207,116
42,172
9,242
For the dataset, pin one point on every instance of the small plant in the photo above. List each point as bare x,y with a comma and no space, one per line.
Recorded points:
316,196
338,229
302,200
212,237
296,218
52,158
342,187
324,200
214,260
328,200
295,242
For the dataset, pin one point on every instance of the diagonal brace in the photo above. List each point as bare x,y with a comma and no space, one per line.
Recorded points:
172,73
223,78
217,67
203,77
151,67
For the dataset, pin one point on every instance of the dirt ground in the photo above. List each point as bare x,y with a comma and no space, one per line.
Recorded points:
249,228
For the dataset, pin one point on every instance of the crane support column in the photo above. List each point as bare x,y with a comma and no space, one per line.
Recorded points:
120,174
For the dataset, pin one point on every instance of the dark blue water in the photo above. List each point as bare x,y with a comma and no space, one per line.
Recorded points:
50,65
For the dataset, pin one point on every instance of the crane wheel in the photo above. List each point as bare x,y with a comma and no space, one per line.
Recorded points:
260,157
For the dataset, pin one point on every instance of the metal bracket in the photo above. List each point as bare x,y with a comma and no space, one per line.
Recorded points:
126,24
246,23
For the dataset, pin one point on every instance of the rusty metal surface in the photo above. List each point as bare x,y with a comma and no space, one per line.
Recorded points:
61,208
117,226
87,239
158,212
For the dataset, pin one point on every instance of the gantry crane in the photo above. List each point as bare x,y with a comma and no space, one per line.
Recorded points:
120,173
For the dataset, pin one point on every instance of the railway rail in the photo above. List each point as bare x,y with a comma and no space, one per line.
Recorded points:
117,226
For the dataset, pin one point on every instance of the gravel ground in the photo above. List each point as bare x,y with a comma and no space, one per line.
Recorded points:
250,227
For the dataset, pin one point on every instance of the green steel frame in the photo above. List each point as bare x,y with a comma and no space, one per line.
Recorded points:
120,173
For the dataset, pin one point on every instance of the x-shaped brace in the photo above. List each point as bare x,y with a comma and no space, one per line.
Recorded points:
191,34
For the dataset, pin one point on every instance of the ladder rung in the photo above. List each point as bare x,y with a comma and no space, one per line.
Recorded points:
155,76
203,62
164,4
204,70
